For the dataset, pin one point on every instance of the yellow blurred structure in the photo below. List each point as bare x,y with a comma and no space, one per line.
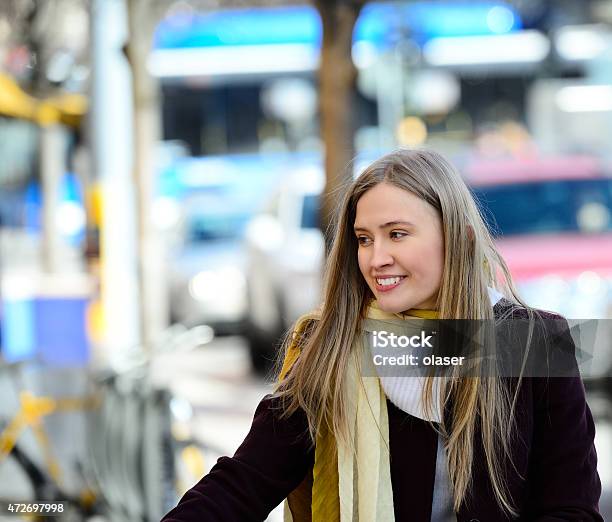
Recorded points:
14,102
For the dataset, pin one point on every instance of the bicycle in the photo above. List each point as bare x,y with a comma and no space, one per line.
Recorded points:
44,481
134,451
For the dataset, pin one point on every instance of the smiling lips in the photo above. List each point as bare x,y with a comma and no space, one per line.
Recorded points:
385,284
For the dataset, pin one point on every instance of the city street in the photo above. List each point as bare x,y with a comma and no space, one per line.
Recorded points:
175,171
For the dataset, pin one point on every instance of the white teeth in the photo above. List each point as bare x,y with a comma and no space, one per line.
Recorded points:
388,281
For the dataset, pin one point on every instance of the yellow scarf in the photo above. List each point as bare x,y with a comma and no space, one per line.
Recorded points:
344,487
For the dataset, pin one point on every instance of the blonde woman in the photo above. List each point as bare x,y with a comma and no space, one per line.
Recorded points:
410,246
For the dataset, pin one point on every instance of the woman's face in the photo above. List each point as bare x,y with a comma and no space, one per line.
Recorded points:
401,248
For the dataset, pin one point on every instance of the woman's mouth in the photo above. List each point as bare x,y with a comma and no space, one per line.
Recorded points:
386,284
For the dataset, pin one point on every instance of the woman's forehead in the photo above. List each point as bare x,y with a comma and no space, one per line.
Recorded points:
387,203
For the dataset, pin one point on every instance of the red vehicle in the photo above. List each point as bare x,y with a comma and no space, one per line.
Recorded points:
553,223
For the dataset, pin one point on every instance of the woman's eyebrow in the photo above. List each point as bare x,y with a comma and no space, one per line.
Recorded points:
385,225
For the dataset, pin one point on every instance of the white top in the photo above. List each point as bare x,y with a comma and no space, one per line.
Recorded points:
406,392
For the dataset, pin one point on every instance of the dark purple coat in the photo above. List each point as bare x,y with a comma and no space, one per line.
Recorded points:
553,451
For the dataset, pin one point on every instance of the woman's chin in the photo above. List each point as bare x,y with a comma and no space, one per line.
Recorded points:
392,308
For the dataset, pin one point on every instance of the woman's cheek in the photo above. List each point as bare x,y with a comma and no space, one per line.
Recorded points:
361,261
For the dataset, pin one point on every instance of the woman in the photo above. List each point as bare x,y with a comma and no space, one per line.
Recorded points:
410,245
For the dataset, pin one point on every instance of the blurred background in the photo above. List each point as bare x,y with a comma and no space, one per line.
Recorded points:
168,166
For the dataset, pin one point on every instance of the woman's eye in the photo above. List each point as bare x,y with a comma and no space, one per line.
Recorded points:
397,234
363,240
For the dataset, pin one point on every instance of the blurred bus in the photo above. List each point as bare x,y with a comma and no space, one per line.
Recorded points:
244,80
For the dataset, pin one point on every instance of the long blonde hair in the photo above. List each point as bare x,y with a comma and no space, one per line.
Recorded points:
316,383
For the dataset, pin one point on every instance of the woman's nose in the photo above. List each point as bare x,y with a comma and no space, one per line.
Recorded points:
381,256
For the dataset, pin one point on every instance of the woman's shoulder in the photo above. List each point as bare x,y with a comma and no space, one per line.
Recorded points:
302,328
295,339
306,321
507,309
550,349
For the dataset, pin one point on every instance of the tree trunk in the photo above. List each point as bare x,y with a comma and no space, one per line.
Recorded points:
337,76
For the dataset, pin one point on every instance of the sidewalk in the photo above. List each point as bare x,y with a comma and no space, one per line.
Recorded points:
217,382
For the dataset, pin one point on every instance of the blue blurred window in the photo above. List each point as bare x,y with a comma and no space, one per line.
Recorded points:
205,228
310,212
548,207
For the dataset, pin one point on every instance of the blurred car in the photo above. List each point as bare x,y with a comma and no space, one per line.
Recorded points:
552,219
553,222
216,196
207,280
284,254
